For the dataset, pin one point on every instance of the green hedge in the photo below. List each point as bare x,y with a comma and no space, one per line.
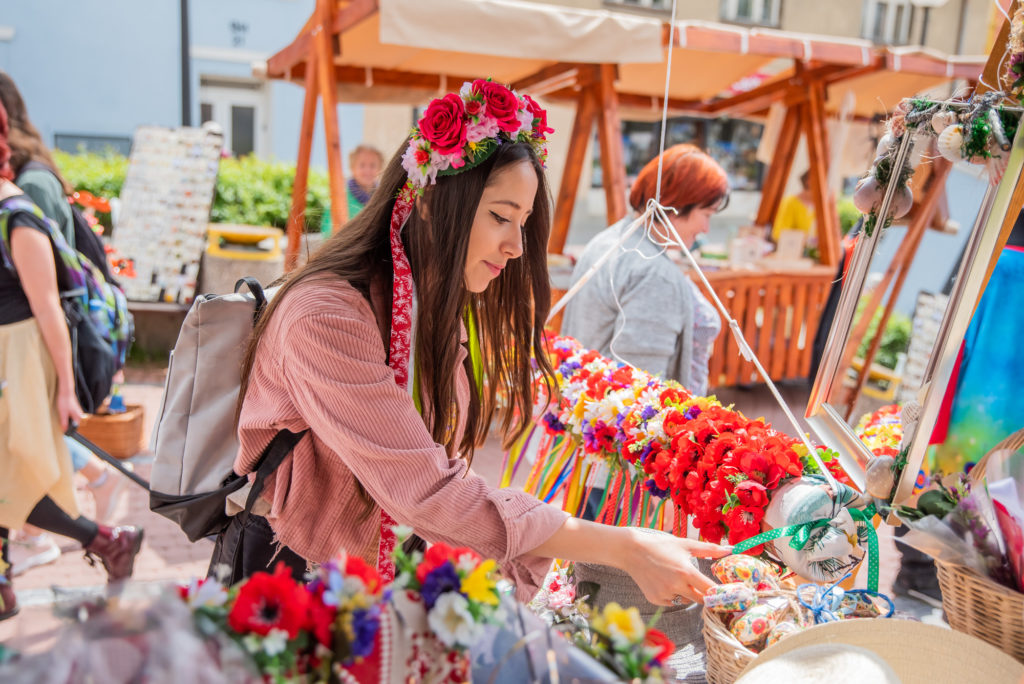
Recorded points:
249,191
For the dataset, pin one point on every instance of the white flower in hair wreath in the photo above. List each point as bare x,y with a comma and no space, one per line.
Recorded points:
461,130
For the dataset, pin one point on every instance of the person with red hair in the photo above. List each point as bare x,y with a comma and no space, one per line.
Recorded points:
641,308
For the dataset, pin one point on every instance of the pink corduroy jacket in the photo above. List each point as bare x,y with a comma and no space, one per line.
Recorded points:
322,365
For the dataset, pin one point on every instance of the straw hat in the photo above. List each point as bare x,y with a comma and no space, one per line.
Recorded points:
832,663
916,652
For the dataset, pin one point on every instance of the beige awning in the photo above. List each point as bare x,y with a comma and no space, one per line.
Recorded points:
409,50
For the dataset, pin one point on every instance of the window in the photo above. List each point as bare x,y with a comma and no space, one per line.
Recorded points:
649,4
80,142
241,109
762,12
887,22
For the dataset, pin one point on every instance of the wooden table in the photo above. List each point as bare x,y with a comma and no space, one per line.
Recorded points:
778,311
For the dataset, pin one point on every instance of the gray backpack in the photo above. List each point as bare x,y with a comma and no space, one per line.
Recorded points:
195,441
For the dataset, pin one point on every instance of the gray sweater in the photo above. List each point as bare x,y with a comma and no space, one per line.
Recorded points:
651,326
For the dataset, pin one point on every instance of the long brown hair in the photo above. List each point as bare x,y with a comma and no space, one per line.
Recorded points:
510,314
23,137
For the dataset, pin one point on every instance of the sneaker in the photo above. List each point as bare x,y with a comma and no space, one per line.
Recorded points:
31,552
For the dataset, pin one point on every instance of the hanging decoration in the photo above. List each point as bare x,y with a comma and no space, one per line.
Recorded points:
1015,53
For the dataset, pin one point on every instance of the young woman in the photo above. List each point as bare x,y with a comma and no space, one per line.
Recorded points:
37,392
392,346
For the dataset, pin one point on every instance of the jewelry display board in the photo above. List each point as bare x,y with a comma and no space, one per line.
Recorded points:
165,209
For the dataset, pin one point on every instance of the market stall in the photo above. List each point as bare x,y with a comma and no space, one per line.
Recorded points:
608,65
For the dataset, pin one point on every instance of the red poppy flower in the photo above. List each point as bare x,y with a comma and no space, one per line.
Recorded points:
321,619
357,567
751,493
660,644
270,601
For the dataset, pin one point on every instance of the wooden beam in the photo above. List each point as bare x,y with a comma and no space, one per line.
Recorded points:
915,232
329,100
763,95
431,83
609,135
781,166
297,216
583,125
355,12
549,79
283,63
825,215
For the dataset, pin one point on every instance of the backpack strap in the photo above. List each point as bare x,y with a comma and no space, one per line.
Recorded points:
257,292
279,447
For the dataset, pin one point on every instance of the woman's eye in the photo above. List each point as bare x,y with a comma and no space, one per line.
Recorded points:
499,218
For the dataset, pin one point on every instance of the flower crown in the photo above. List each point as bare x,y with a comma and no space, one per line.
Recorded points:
461,130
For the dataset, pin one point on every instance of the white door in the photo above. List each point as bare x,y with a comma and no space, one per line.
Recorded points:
242,111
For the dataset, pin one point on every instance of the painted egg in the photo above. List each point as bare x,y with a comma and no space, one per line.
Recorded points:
868,194
950,141
902,201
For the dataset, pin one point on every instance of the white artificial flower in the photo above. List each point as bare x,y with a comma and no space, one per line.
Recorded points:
452,622
402,532
275,642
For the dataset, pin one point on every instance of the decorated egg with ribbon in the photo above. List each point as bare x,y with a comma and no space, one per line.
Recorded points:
730,598
753,625
741,568
781,631
826,541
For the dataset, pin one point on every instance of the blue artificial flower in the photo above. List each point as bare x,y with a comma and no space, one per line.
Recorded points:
441,579
553,423
648,413
692,412
655,490
365,625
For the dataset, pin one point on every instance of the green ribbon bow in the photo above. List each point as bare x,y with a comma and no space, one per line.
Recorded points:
801,534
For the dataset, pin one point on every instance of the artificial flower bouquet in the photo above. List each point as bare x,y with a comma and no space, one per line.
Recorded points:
296,631
665,445
618,639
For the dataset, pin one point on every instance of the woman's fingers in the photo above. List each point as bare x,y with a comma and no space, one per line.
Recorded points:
707,549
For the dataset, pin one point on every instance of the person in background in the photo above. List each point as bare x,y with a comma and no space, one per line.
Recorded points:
641,308
796,212
37,395
365,164
37,175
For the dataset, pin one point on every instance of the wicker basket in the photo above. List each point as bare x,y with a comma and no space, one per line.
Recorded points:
726,656
978,606
119,434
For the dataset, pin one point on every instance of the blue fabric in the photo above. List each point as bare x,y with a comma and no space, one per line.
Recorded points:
79,454
986,407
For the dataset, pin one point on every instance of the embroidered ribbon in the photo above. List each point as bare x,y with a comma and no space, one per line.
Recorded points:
801,534
399,347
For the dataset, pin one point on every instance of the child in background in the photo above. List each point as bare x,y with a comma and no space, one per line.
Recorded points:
365,164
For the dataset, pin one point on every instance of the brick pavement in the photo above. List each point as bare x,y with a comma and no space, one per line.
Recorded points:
168,556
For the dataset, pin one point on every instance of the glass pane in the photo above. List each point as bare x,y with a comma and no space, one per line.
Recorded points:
243,130
878,34
743,9
766,11
205,112
898,29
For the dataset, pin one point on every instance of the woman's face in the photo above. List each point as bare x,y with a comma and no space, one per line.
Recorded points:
497,233
693,225
365,169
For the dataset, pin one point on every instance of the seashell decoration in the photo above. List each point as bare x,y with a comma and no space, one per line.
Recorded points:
950,141
943,120
884,143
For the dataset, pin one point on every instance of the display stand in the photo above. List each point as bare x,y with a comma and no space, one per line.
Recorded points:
165,207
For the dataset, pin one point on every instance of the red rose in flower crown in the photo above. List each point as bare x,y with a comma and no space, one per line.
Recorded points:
443,125
500,103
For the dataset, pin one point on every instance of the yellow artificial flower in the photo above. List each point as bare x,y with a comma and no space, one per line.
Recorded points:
479,585
623,625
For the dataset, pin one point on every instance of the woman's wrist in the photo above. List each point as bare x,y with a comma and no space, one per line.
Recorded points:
621,547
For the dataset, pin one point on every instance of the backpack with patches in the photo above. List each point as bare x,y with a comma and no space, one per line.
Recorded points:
97,312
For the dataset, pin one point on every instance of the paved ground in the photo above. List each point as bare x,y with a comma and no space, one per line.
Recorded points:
168,556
